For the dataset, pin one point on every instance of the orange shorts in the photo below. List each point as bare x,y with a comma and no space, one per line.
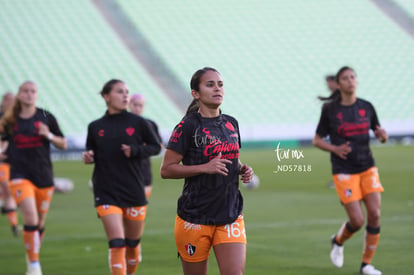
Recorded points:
354,187
4,172
136,213
22,189
194,241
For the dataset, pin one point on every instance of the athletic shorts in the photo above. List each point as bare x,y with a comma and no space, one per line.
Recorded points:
354,187
4,172
136,213
22,189
194,241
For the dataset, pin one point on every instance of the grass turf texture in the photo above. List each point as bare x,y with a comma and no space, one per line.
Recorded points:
289,220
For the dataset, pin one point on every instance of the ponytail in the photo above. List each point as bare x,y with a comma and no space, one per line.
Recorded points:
8,121
193,107
335,96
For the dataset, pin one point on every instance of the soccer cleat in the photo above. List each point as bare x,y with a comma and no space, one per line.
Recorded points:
370,270
337,253
34,270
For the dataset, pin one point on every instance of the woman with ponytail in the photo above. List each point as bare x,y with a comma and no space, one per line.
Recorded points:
30,132
204,150
347,120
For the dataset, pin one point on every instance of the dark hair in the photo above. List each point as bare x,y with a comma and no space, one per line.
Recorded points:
341,71
330,77
195,85
108,86
336,95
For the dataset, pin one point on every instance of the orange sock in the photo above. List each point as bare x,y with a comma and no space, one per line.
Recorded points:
344,233
31,242
117,260
370,244
132,254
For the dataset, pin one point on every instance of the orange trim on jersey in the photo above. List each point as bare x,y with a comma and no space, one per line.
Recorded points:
22,189
194,241
4,172
136,213
354,187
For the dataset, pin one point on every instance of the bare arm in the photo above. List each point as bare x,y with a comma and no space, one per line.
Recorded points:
172,169
340,150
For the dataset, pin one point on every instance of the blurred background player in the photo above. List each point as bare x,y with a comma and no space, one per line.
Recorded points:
116,144
9,205
31,130
136,106
204,150
347,119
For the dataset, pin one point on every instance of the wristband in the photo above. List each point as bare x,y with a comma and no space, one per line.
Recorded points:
50,136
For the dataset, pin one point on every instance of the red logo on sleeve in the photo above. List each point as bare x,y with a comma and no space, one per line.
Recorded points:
130,131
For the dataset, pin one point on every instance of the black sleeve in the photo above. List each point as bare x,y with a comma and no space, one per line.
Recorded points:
90,141
54,126
323,126
374,119
180,137
152,143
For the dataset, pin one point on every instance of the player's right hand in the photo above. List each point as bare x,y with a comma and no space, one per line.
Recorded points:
87,157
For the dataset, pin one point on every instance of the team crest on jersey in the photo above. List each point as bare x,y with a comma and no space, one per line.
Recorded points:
190,249
36,125
361,112
340,116
230,126
101,133
130,131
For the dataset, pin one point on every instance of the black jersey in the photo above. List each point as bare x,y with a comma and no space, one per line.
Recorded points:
29,152
349,124
118,180
209,198
146,162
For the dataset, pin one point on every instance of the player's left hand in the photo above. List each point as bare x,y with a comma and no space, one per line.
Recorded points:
381,134
246,173
126,149
43,129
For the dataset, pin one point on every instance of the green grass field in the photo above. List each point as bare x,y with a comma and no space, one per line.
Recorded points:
289,221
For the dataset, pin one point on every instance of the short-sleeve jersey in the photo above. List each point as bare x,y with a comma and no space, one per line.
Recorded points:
29,152
349,124
117,179
210,199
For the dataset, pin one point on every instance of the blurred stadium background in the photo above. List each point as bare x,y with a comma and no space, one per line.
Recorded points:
273,56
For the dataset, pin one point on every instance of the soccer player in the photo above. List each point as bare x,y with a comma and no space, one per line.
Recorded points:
116,144
30,132
9,207
136,106
204,150
347,119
